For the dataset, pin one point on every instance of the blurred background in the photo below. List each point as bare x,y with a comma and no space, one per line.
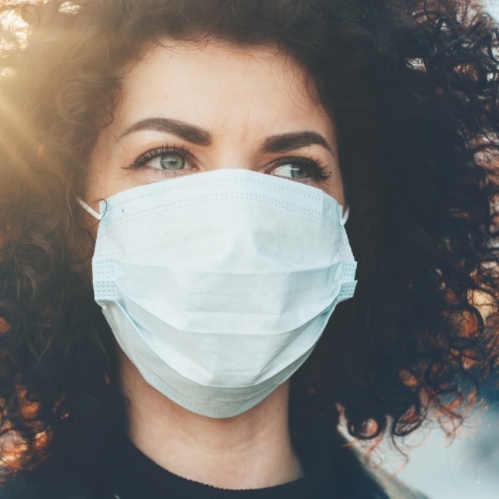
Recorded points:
465,467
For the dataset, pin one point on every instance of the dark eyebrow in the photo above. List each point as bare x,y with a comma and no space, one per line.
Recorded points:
274,144
185,131
289,141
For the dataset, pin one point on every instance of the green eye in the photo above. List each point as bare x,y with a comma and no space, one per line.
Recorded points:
165,159
170,161
294,171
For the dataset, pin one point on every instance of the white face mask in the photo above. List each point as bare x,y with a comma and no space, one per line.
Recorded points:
218,285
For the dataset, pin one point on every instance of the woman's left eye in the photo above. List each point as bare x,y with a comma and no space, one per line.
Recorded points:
294,171
301,169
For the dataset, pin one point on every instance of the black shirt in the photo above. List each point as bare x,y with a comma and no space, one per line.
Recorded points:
129,474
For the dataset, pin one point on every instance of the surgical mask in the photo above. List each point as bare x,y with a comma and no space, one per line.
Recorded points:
218,285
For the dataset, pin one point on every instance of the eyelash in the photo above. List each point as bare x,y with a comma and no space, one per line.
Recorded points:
143,159
319,170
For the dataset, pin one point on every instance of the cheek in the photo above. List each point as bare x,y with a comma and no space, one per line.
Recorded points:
334,187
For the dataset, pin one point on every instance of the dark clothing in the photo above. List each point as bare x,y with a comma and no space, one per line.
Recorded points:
132,475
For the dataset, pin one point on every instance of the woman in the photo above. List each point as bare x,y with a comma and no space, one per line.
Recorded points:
176,178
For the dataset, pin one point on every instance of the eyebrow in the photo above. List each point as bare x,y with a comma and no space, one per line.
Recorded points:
289,141
274,144
183,130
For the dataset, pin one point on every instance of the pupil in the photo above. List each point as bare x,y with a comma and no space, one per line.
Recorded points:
299,172
172,162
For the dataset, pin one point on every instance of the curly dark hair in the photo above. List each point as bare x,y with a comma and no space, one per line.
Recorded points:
413,88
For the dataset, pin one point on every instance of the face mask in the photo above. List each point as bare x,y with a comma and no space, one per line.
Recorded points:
218,285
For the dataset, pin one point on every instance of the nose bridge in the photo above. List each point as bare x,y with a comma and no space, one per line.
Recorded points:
235,148
232,164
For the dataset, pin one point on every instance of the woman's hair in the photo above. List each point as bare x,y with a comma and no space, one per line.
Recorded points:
412,86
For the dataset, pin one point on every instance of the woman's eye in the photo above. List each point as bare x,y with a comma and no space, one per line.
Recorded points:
168,161
164,159
294,171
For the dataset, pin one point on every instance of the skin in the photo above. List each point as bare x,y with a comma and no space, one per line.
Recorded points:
226,107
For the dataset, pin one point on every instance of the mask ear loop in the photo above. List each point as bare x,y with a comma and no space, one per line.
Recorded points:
344,218
89,209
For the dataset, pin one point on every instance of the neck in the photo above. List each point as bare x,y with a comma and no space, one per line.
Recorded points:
249,451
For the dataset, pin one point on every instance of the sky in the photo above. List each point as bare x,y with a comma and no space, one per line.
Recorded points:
493,7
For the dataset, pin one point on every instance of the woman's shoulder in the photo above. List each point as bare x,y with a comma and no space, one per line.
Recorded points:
18,488
33,485
53,480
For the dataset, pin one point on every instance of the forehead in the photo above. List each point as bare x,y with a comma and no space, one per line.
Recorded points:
240,97
212,81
